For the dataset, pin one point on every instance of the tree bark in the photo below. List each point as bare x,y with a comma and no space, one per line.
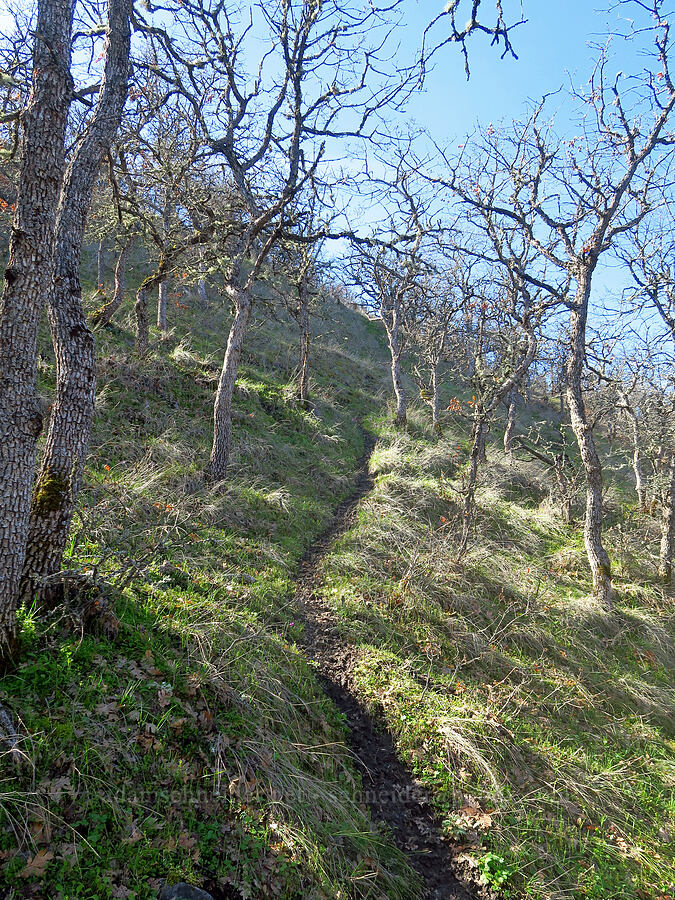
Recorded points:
393,328
73,407
668,526
100,266
640,485
598,557
305,338
477,453
26,285
510,424
163,288
142,322
162,295
222,408
201,292
103,316
435,399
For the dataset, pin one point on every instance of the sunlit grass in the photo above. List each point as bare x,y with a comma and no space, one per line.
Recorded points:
512,694
181,736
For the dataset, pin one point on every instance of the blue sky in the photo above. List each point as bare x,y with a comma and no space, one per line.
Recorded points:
552,46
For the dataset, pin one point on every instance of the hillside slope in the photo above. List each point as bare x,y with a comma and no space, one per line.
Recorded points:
174,728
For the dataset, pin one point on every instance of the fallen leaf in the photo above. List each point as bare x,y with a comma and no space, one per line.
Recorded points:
38,864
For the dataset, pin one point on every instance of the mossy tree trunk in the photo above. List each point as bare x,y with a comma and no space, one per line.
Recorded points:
26,285
510,424
163,287
469,509
141,313
598,557
73,407
100,266
668,525
305,340
435,398
162,298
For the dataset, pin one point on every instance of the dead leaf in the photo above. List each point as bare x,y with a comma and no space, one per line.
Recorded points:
186,840
135,834
58,786
468,810
38,864
164,697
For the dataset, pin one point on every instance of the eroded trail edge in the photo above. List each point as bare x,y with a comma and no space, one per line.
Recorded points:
391,792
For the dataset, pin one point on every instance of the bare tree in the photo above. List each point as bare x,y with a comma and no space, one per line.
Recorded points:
650,261
431,321
554,453
510,430
316,82
507,318
389,267
573,201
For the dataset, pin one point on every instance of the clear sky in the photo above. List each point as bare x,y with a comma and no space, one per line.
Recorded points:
552,46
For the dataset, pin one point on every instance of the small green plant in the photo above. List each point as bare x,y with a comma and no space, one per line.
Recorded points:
495,871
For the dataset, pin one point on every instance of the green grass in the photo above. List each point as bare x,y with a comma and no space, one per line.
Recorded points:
175,732
542,725
180,735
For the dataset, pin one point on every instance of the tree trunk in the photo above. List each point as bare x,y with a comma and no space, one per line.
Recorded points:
100,266
435,399
104,315
640,485
202,292
26,285
162,295
477,454
222,408
482,450
142,323
393,335
598,557
510,425
668,526
305,337
163,288
73,408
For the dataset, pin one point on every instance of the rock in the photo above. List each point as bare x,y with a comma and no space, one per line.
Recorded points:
182,891
240,578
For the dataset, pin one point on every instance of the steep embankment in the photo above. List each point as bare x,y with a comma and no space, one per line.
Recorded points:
177,725
541,725
173,729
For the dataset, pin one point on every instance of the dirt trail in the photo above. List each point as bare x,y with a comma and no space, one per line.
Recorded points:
391,793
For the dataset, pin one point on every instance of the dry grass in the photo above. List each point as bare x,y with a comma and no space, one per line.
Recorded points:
509,689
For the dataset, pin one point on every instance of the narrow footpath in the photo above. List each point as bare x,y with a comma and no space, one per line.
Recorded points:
391,792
